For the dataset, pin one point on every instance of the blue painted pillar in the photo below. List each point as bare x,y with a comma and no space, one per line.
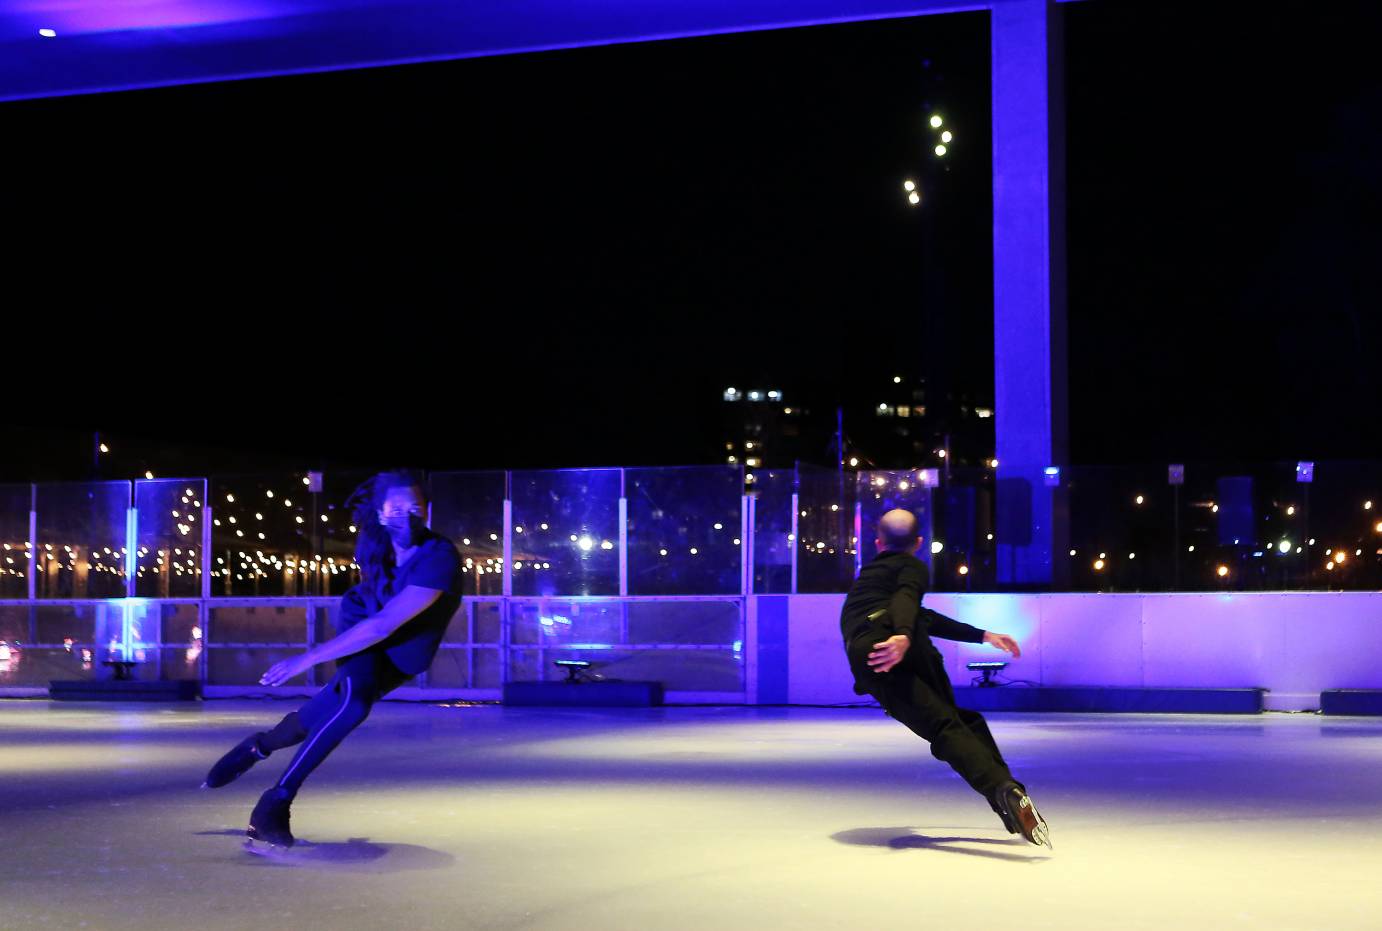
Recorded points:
1028,287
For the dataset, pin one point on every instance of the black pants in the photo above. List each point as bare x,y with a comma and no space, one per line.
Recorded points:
917,692
341,706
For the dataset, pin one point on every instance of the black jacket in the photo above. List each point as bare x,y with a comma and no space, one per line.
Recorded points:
894,583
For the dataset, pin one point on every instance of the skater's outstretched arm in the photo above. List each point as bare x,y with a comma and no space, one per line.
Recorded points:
402,608
947,628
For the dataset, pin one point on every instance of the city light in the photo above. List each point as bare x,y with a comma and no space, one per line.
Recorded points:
1284,546
940,150
964,570
936,121
947,136
914,198
1098,565
1139,499
105,448
1290,511
1222,571
909,186
937,546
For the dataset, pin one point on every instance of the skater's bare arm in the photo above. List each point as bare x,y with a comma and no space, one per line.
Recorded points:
402,608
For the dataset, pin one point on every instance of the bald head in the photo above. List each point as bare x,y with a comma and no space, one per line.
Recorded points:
897,530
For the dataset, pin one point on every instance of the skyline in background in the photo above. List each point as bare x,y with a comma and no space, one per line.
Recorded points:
604,240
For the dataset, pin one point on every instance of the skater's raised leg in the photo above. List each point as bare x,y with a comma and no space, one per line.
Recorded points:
254,748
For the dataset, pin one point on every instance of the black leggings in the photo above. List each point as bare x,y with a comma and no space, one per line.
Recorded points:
341,706
917,692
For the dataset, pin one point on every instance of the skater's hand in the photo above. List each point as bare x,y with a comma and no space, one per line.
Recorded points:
889,653
1003,642
280,673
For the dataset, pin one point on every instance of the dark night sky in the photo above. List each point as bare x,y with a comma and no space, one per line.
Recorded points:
562,259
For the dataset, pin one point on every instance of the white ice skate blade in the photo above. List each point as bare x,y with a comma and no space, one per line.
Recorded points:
1041,834
273,851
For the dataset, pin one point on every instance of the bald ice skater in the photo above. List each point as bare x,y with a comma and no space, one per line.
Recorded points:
888,641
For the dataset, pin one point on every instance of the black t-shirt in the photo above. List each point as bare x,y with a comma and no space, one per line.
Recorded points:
434,564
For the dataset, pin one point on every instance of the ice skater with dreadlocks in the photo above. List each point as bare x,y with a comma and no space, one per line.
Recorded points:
887,638
390,627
